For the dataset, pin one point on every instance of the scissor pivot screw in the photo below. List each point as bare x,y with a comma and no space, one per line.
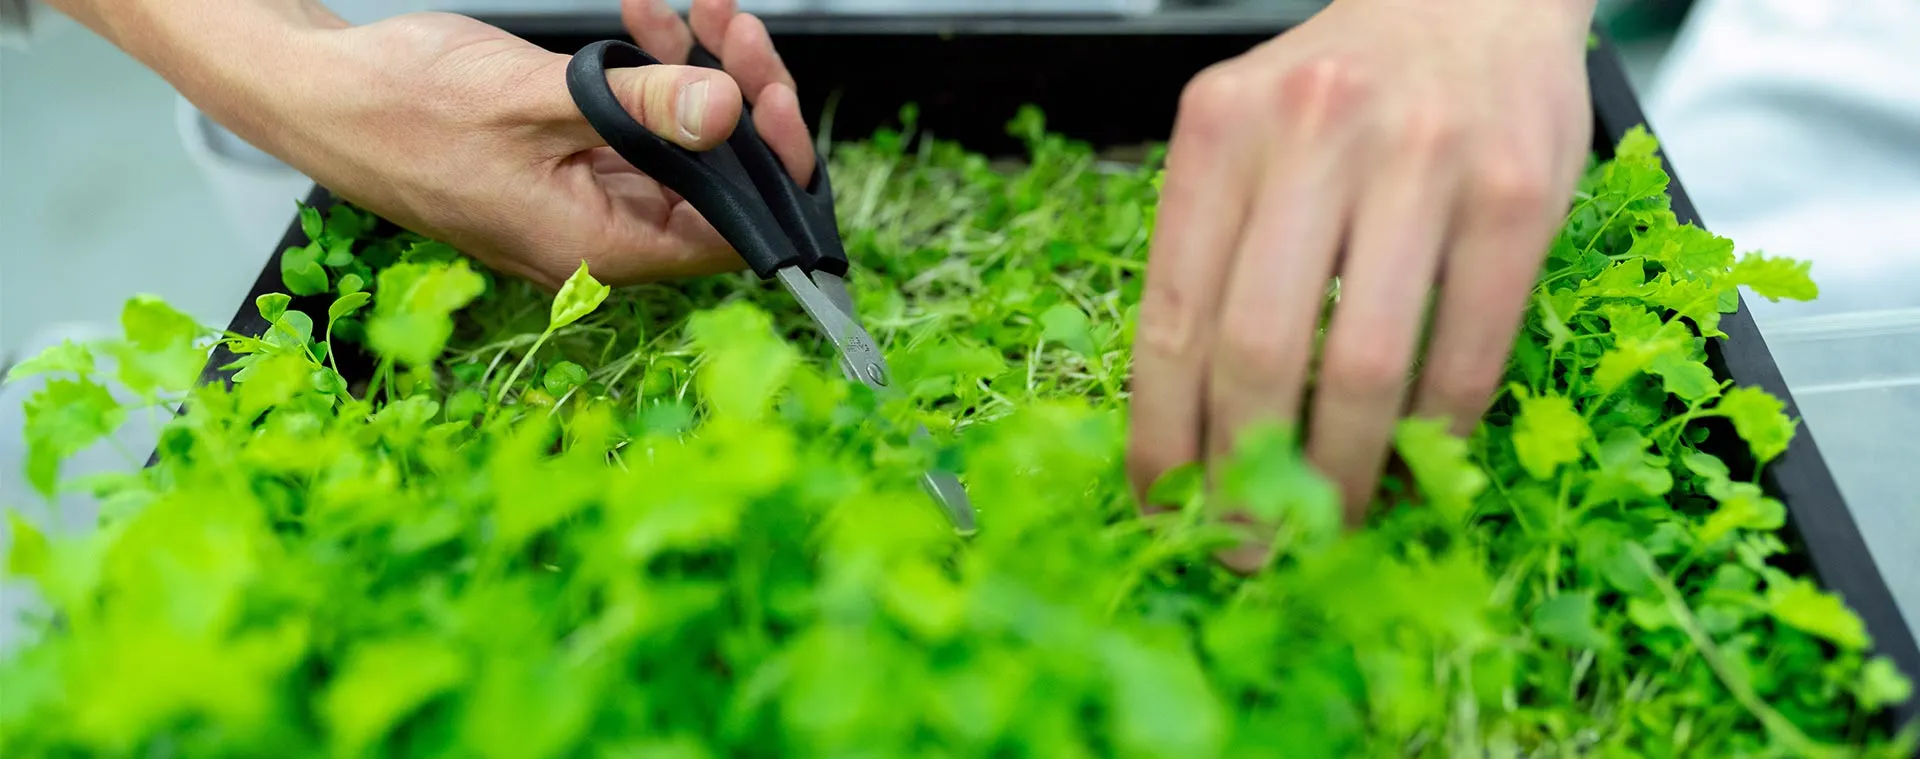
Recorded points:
877,374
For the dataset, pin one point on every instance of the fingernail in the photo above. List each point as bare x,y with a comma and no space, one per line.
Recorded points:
663,9
692,108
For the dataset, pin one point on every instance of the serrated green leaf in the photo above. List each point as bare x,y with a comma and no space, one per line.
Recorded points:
63,418
1441,465
1760,419
1775,278
67,356
1807,608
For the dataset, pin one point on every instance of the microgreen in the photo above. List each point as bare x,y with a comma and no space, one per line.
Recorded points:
453,514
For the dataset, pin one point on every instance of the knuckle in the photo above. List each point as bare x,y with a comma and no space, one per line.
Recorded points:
1167,322
1213,101
1253,352
1462,392
1365,368
1512,182
1430,128
1321,91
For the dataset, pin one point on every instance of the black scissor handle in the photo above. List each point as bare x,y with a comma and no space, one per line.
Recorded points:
716,182
805,213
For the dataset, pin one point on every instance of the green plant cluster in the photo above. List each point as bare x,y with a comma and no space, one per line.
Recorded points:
441,513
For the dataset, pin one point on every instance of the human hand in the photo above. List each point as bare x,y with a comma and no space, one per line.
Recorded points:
462,132
1403,145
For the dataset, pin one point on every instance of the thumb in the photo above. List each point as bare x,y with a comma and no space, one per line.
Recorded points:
690,106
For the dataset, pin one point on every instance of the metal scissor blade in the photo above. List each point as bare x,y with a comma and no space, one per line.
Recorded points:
948,492
835,289
831,309
860,358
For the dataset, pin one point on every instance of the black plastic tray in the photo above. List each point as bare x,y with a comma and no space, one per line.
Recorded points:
1116,82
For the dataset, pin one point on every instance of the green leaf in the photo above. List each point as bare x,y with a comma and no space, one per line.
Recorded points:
1066,324
1162,703
465,405
562,377
381,682
1547,433
1637,142
1742,506
310,224
1269,477
1775,278
293,331
327,381
152,325
1441,464
1695,252
339,253
272,381
521,710
29,555
746,362
1567,619
1761,420
160,351
350,284
304,278
346,223
578,297
345,305
1627,470
413,314
1805,607
65,417
1688,378
272,305
1881,684
68,356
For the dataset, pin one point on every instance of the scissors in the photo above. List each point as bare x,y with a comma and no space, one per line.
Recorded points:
785,232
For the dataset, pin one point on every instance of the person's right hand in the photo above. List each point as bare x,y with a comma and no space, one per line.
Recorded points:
1406,146
462,132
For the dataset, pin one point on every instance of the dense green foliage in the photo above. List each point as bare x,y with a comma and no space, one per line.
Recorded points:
656,522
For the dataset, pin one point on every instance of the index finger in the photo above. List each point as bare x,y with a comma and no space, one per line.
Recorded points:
657,29
743,45
1202,209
